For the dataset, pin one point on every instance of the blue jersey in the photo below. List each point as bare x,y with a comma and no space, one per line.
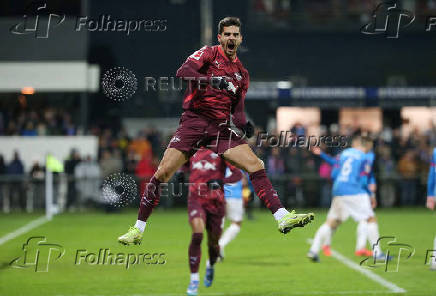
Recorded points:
351,178
431,182
333,161
233,190
368,174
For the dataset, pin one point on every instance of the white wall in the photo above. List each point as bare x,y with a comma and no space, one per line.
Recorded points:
35,148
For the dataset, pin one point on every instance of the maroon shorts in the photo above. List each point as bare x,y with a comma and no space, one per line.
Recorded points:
211,213
196,131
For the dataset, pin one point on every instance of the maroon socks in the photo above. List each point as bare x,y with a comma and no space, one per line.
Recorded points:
265,191
150,199
195,252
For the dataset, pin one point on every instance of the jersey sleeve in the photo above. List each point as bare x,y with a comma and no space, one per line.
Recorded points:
190,68
329,159
371,179
431,181
235,176
238,109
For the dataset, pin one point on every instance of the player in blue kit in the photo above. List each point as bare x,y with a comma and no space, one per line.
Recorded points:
350,197
431,196
370,185
234,211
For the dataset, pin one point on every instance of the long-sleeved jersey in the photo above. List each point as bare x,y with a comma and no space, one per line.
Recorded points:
202,98
431,181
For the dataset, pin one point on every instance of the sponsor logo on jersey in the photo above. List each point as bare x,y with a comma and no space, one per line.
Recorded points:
203,165
175,139
238,76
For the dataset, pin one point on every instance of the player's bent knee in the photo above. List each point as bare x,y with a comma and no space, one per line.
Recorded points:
163,173
255,165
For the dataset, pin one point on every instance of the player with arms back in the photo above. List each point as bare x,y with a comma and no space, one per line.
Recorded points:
350,197
214,117
431,196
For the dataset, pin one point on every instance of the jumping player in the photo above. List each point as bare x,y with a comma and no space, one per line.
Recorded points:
214,117
206,209
431,196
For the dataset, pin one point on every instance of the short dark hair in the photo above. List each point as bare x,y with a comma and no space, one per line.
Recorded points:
227,22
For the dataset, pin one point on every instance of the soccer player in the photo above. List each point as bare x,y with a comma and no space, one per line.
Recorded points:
214,117
234,211
206,210
350,198
362,226
431,195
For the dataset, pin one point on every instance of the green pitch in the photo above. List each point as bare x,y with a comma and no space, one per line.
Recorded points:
260,261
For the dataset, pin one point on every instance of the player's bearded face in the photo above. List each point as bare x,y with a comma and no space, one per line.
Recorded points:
230,39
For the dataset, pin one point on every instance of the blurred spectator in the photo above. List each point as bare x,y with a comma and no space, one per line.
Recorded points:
110,163
29,130
69,168
408,168
2,165
16,188
37,176
88,175
326,186
2,187
141,146
386,170
276,164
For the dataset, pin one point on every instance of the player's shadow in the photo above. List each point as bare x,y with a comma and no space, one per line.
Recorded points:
259,262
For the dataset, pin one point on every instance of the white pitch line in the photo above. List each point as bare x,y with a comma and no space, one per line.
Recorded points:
245,293
29,226
366,272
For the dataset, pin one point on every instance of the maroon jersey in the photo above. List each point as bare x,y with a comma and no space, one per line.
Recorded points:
216,104
205,165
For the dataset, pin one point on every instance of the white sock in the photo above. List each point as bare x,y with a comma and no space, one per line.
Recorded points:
208,264
362,235
321,234
433,261
140,225
328,238
373,236
230,233
195,277
280,213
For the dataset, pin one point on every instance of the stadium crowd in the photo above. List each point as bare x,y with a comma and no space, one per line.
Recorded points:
300,177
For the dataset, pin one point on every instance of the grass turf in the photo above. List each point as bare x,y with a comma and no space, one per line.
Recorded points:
260,261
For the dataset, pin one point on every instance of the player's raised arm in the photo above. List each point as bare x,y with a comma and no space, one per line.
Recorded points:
431,183
331,160
238,110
